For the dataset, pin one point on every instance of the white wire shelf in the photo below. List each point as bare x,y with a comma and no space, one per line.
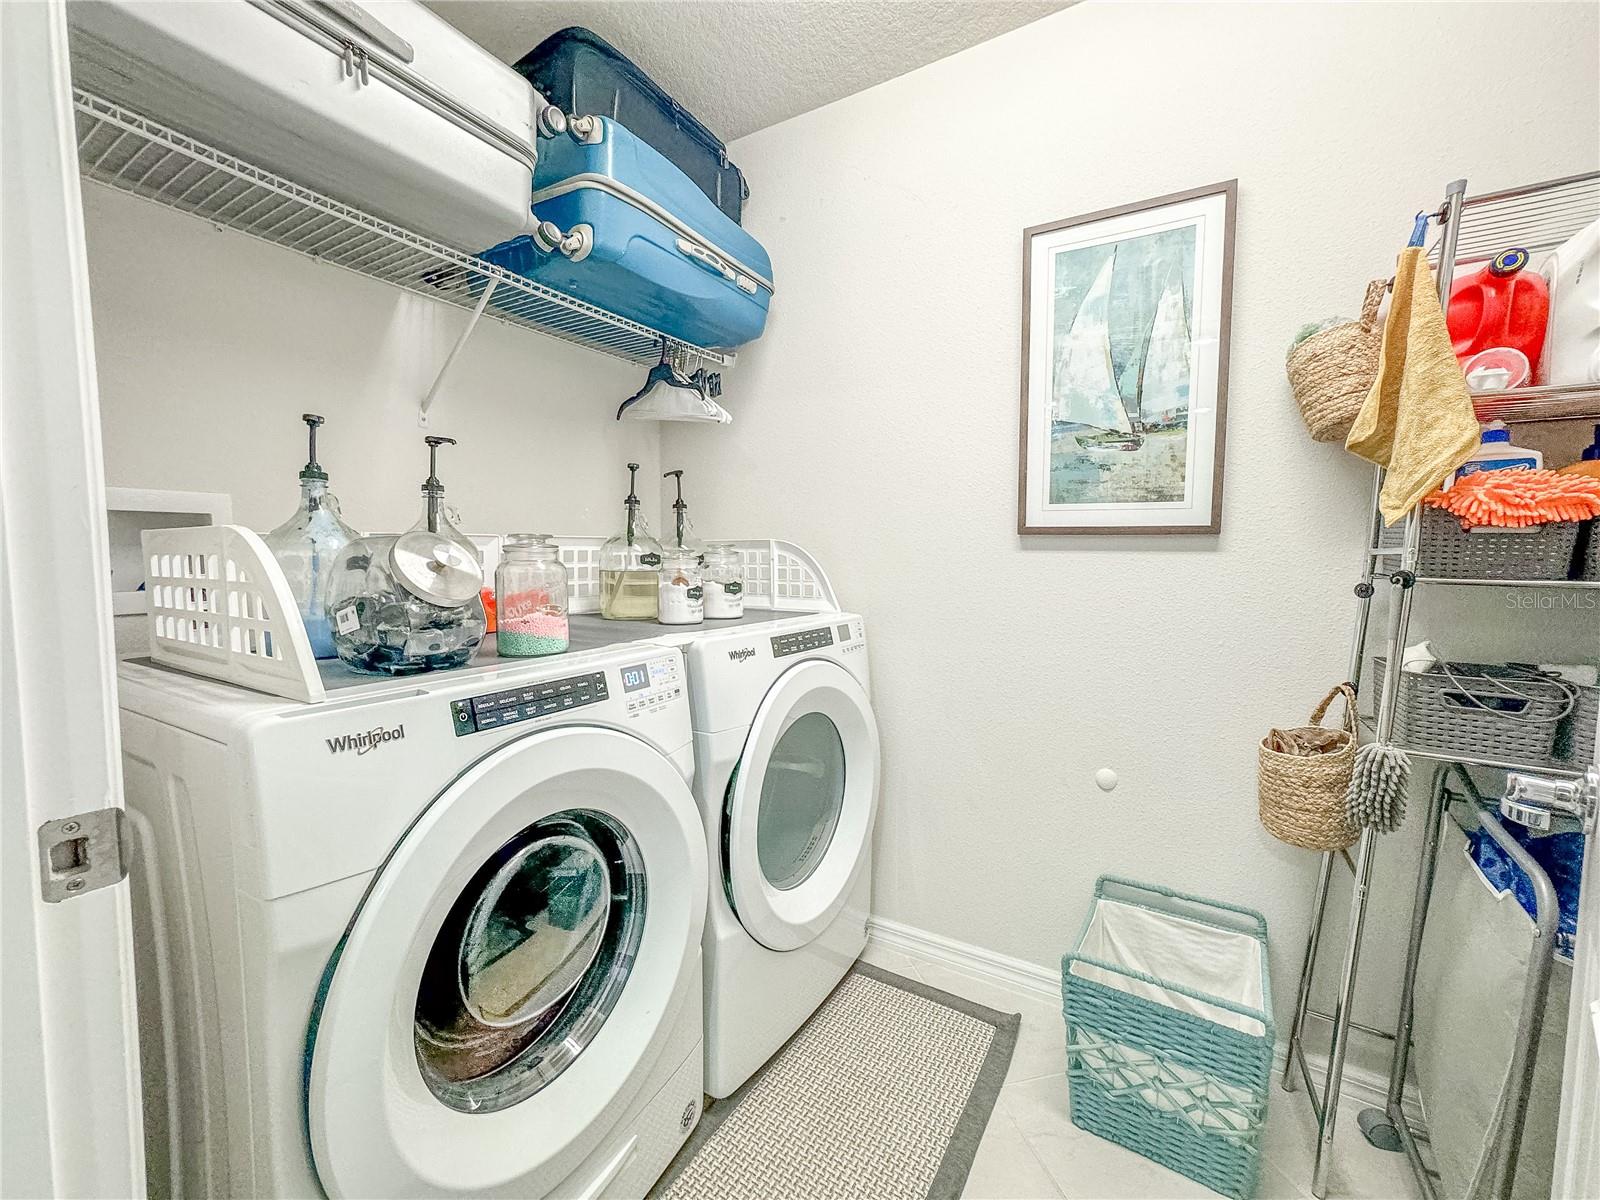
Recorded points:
131,153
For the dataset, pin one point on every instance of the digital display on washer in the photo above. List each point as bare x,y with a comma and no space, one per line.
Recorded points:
496,709
635,678
785,644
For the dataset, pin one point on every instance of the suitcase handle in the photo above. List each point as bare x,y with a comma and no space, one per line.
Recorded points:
706,259
369,27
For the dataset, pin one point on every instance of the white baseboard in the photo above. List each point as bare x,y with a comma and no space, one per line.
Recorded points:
921,946
1362,1087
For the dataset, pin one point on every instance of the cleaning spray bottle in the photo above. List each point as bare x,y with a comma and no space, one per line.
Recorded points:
308,542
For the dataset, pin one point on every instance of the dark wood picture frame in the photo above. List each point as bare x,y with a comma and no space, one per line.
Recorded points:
1229,191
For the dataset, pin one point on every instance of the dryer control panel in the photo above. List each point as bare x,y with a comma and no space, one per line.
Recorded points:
784,644
496,709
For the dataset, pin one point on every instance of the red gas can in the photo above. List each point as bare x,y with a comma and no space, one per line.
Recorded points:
1500,305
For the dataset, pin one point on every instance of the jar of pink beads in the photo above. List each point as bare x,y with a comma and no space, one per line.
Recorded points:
530,587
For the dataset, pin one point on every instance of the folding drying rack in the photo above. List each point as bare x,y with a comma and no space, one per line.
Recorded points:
1472,229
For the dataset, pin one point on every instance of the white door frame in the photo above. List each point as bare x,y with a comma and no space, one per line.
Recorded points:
70,1120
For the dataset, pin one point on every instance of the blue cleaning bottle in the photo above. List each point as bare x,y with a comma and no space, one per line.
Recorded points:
307,544
1496,453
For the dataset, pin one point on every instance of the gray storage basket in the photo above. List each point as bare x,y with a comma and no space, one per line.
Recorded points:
1589,564
1450,550
1494,711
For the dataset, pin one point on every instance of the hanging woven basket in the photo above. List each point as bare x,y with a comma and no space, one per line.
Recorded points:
1331,372
1302,797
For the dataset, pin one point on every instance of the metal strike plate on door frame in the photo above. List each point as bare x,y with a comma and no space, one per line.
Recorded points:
81,854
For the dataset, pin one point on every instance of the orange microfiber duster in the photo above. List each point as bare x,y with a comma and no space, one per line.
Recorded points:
1517,497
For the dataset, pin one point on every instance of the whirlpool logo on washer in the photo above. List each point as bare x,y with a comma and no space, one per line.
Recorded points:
742,653
369,740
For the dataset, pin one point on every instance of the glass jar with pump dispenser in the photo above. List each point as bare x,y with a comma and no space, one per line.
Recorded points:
681,536
629,564
307,544
410,603
681,591
723,577
530,590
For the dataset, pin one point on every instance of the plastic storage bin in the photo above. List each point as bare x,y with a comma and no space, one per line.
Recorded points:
1449,550
1501,711
393,109
1169,1030
1589,563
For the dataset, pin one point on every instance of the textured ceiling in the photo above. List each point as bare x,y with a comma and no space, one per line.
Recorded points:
741,65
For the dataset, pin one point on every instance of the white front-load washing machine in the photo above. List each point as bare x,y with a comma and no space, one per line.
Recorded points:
786,752
433,936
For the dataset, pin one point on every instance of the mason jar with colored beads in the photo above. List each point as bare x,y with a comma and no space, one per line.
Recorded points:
530,589
723,571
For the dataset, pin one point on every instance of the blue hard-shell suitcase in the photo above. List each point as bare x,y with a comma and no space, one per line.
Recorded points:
659,251
581,73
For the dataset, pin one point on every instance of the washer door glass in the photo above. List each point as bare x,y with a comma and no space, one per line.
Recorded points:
530,961
802,794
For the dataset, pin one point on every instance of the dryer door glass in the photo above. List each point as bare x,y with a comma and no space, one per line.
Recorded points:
801,796
530,961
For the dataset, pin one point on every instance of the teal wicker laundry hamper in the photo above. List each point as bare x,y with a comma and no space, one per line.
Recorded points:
1169,1030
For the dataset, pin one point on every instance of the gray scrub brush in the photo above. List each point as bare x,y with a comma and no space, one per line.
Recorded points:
1376,797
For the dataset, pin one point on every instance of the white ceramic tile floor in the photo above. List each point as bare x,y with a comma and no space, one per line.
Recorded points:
1032,1151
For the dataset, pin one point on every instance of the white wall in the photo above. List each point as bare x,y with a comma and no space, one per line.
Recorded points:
877,424
211,344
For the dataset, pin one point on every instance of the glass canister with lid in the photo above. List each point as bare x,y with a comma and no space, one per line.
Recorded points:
681,591
530,588
405,604
723,579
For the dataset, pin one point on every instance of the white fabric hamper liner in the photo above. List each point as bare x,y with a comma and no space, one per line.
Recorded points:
1192,954
1169,947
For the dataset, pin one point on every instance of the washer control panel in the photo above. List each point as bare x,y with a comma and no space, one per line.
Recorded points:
785,644
652,683
496,709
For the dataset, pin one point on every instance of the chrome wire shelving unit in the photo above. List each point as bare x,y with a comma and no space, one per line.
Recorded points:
131,153
1538,217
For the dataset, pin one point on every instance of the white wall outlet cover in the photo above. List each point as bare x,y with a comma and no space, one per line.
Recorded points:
1105,779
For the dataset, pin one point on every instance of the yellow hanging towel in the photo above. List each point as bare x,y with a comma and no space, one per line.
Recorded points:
1417,421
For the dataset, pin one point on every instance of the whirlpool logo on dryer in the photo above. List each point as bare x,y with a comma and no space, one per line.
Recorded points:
369,740
742,653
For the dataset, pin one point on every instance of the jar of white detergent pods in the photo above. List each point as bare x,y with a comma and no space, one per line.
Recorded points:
681,596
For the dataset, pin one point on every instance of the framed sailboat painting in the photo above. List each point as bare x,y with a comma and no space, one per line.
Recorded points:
1125,367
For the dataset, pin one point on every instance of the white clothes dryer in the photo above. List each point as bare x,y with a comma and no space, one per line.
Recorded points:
787,767
435,936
